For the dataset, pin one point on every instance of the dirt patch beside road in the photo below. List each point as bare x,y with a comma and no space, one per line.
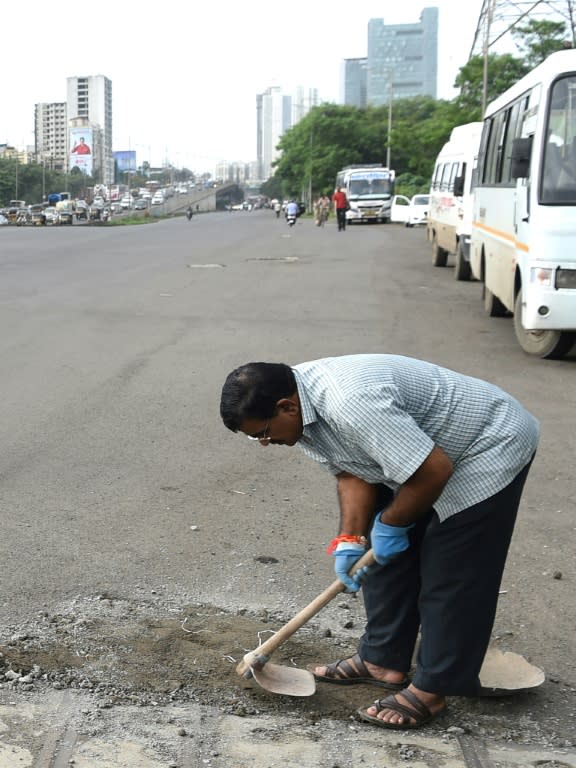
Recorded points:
127,652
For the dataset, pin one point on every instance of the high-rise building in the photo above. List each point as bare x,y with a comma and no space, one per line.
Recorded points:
89,105
402,59
51,135
236,173
302,102
274,117
354,82
276,112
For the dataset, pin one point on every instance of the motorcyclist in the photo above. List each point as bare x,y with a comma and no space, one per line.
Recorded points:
189,212
292,209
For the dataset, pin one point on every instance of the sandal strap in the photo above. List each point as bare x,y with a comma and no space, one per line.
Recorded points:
417,712
342,668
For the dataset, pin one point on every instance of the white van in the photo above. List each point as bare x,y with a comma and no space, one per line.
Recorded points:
449,224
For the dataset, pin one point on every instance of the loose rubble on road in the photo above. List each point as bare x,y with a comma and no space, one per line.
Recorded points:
150,652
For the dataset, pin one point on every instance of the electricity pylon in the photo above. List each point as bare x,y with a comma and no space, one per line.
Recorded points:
498,18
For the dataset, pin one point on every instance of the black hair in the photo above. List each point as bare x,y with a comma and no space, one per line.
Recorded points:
252,391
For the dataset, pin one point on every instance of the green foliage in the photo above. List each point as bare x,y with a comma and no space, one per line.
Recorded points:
32,181
409,185
272,188
538,38
331,137
503,71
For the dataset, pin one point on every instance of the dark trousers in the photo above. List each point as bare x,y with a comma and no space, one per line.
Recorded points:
341,218
445,585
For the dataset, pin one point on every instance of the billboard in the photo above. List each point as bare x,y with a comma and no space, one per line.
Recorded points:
81,149
125,160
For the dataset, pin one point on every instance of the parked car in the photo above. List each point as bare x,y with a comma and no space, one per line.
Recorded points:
126,203
418,210
409,211
399,209
158,199
140,205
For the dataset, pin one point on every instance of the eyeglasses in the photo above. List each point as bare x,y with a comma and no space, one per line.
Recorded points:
263,435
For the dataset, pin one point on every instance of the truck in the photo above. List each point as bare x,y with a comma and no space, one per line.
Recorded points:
369,189
56,197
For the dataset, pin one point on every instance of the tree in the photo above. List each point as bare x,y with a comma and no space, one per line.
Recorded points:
538,38
503,71
33,181
272,188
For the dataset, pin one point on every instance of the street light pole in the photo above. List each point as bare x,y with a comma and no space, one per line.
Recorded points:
389,142
310,169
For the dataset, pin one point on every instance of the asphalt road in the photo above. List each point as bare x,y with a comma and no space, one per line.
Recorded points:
115,468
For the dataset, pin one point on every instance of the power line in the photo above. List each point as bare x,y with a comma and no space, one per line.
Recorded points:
499,17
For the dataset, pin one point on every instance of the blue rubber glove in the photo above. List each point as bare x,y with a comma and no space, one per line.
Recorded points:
388,541
345,555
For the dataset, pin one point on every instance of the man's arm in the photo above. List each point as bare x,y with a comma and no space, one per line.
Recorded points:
357,499
414,497
418,494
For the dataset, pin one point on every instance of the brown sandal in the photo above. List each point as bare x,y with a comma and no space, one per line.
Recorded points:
353,671
417,712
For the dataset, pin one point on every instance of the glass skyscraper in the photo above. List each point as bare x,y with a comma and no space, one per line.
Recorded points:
355,81
402,59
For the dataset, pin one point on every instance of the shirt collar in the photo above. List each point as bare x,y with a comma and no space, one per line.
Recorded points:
308,411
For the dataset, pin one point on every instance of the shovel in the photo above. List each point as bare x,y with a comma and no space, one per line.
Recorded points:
502,673
289,680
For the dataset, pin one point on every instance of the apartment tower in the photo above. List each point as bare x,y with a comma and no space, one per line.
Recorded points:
89,105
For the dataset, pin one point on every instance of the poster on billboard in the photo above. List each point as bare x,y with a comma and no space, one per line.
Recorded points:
125,160
81,150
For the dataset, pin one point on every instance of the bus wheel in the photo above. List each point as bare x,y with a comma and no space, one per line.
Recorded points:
439,255
492,304
550,345
462,269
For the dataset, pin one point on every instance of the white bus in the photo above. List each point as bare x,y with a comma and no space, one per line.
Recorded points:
369,189
449,224
524,228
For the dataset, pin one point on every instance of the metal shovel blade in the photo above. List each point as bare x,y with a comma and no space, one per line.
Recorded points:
504,673
290,681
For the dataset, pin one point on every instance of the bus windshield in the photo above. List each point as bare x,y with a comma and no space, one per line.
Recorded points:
370,186
559,162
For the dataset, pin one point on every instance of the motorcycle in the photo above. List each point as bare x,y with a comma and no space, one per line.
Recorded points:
189,214
291,219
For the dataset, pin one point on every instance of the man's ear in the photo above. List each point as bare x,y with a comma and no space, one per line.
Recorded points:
288,405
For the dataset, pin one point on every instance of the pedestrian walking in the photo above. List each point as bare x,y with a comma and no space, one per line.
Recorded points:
341,206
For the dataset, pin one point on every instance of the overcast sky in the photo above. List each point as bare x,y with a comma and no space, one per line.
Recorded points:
185,73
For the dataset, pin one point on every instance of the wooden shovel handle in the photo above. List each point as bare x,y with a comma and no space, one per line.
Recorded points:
270,645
